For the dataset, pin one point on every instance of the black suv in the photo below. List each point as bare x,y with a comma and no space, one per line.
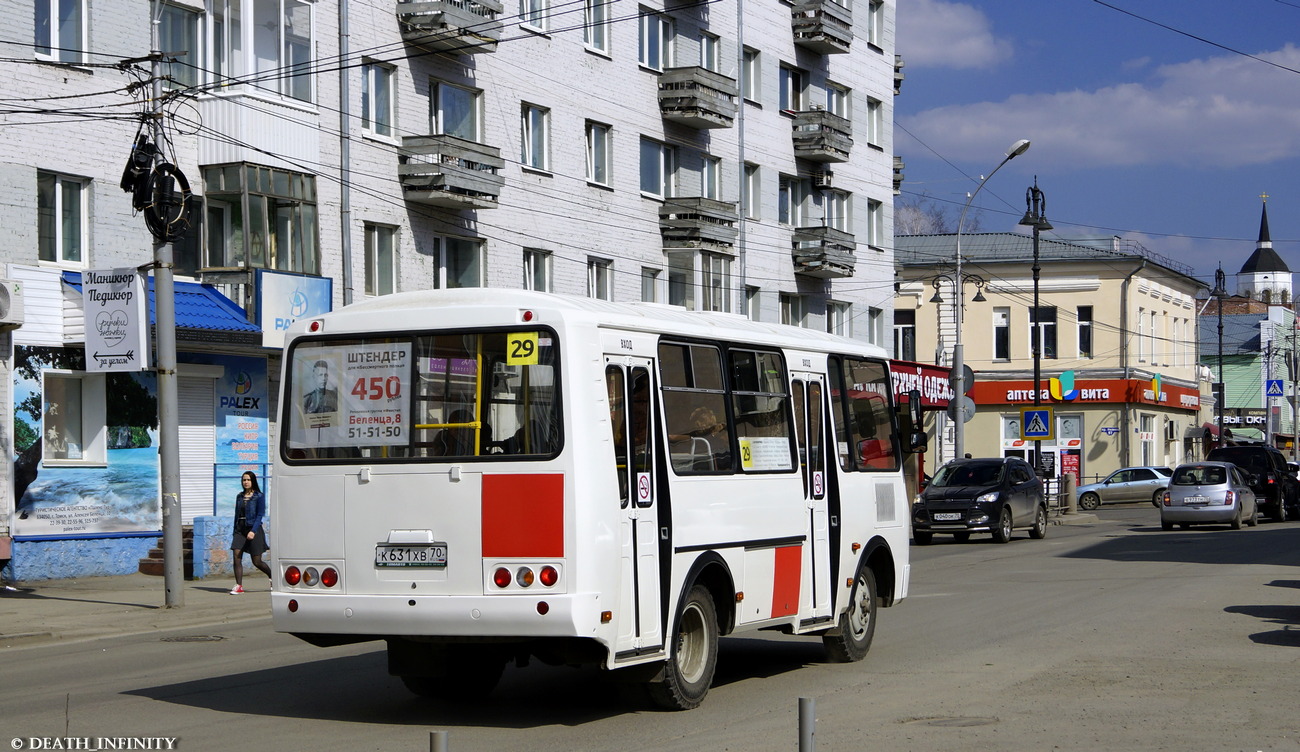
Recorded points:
1277,491
991,495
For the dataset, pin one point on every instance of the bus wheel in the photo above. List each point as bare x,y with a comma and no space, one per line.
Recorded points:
692,655
851,640
469,675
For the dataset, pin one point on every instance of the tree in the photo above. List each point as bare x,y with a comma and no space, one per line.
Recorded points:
922,214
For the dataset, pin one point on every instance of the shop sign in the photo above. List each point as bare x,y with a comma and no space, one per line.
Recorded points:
930,381
116,320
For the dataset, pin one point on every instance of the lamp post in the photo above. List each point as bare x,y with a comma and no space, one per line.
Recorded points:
958,354
1220,284
1036,217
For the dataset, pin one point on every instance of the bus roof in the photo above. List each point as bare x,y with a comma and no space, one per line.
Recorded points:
503,304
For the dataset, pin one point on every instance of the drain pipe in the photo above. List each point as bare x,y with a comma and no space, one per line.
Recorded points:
345,154
1126,421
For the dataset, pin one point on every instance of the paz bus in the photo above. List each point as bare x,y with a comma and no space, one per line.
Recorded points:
479,476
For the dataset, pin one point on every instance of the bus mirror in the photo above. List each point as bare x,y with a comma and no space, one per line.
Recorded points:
914,407
916,439
916,442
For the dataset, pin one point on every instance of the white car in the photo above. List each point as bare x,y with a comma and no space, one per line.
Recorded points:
1214,492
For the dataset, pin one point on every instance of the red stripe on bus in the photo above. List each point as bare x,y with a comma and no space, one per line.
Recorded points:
523,515
785,580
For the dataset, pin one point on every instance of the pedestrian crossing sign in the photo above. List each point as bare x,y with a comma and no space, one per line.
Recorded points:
1036,423
1275,388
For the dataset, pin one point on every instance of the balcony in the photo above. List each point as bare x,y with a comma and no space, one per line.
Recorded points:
823,252
823,26
697,97
465,26
702,223
450,172
821,136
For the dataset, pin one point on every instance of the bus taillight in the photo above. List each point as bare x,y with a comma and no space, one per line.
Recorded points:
330,577
501,577
524,576
549,576
310,576
292,576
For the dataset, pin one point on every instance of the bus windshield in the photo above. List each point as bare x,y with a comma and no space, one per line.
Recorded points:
462,395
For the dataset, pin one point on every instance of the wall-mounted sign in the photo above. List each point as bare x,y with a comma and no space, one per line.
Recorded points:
284,298
117,320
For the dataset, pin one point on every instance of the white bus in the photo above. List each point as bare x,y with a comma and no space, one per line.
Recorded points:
477,476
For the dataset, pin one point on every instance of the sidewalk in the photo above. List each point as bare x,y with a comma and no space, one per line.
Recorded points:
94,607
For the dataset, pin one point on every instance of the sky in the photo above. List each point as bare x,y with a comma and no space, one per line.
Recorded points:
1160,121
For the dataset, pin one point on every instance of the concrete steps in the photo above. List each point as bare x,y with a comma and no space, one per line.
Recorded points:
153,564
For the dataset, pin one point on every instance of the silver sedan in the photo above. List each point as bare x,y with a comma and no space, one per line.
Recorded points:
1201,492
1127,484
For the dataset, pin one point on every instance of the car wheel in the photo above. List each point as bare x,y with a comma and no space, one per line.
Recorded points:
1280,514
1236,520
1039,530
1002,533
922,538
857,624
1089,501
1254,517
961,537
1157,497
692,654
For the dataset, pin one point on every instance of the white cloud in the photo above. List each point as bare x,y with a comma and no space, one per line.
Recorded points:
1216,112
938,34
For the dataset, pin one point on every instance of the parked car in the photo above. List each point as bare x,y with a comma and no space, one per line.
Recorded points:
1201,492
1276,489
994,495
1126,484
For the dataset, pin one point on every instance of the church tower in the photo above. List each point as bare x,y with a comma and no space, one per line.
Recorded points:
1265,275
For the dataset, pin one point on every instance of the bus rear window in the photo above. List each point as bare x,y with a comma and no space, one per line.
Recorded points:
462,395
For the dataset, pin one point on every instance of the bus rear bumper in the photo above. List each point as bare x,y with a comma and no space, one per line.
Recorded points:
522,616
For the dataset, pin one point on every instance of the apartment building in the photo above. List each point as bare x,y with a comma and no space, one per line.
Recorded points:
726,156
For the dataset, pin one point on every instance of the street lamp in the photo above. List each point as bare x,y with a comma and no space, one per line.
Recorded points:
1036,217
1220,289
958,354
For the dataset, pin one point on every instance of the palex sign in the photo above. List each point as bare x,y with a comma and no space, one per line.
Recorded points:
117,320
284,298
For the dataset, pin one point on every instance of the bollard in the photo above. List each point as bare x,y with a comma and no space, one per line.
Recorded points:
1071,502
437,741
807,724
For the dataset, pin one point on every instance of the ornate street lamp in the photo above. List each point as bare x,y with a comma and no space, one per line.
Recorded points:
1036,218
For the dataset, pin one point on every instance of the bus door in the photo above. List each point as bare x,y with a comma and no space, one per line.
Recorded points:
630,385
808,390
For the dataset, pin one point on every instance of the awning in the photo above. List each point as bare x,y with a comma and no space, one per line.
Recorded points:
203,314
1202,431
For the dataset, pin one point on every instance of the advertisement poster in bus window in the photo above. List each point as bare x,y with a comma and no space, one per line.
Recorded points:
354,394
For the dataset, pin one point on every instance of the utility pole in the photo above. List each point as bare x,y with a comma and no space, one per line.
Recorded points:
165,344
1220,285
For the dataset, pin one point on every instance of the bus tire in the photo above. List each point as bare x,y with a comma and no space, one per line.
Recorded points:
692,654
851,640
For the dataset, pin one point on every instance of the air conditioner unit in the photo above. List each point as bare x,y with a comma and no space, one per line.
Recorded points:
823,179
1171,431
11,304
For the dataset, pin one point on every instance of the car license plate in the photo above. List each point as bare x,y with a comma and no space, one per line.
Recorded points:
1196,500
424,555
947,516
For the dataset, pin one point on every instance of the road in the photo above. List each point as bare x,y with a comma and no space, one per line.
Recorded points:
1109,636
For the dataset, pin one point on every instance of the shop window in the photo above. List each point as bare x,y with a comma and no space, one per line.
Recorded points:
73,430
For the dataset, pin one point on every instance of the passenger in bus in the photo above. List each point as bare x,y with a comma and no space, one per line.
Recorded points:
707,441
455,440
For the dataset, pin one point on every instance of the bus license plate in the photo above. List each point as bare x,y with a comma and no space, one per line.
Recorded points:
947,516
431,555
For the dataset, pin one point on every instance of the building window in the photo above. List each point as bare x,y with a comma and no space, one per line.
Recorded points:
534,125
269,39
875,224
261,218
537,270
598,153
454,110
792,309
681,280
751,191
61,218
178,32
595,27
462,262
875,22
1084,316
711,178
838,101
794,83
381,260
1001,333
73,418
904,334
875,326
753,302
837,317
1042,325
600,279
61,30
792,197
656,38
751,81
377,99
875,122
650,284
533,14
715,273
1147,433
658,168
839,211
710,52
1142,335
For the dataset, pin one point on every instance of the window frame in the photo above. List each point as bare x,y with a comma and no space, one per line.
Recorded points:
905,334
538,265
656,40
595,26
875,122
600,278
715,282
710,52
752,191
1002,333
600,158
303,254
1043,331
793,196
1085,332
438,100
378,93
711,177
664,167
837,206
53,47
875,224
473,246
839,100
93,419
60,187
184,72
535,137
751,75
651,284
793,309
534,14
839,318
378,283
793,89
